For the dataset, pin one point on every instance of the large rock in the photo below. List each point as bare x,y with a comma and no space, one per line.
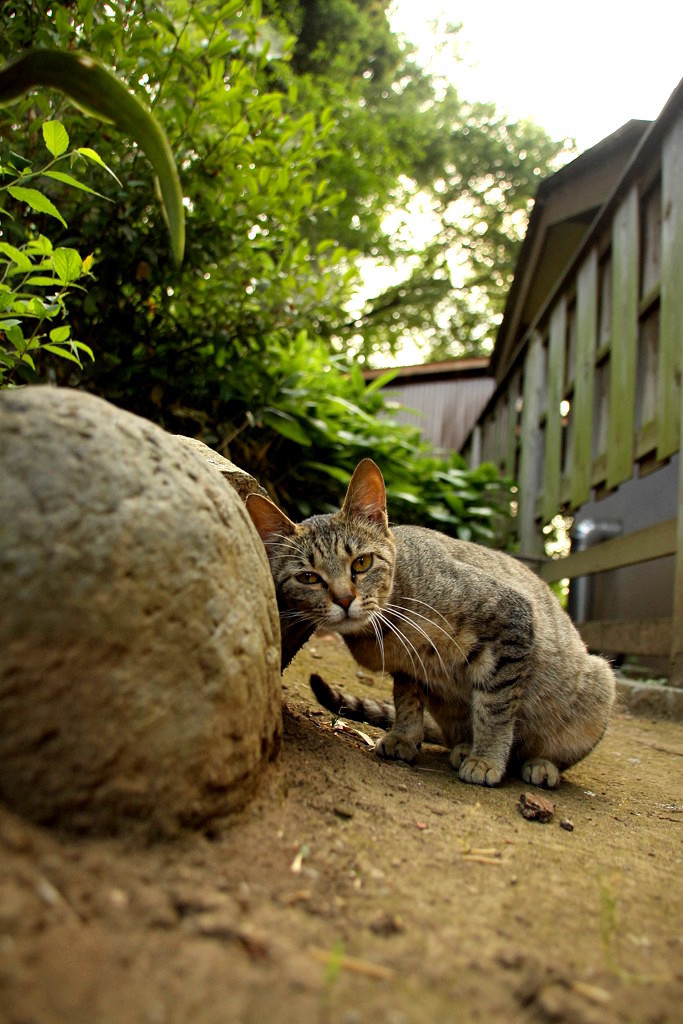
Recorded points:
244,483
293,635
139,636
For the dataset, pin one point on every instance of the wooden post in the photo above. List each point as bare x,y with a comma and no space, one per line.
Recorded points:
622,392
475,447
530,540
584,378
676,678
671,296
552,469
511,437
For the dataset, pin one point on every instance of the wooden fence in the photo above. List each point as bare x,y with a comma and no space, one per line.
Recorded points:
594,388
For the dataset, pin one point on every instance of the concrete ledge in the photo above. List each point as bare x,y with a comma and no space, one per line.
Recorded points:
651,699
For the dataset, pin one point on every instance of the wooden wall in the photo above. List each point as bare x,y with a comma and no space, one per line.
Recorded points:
594,395
444,409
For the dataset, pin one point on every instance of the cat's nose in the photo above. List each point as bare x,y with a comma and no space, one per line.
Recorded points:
343,600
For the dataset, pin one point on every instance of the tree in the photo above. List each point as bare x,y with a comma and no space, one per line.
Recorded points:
399,132
262,138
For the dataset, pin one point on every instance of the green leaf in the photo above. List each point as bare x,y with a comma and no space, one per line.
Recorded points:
26,358
17,256
64,353
411,499
56,137
90,154
83,347
15,335
43,280
380,382
36,307
287,426
96,91
40,244
67,264
336,472
58,334
73,182
36,200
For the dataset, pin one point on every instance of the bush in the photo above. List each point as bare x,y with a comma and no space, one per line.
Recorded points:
306,419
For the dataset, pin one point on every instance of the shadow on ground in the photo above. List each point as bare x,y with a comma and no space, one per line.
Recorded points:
355,890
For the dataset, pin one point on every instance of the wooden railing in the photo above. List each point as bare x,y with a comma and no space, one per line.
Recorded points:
594,388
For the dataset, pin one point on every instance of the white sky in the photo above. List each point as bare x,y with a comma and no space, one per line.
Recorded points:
579,70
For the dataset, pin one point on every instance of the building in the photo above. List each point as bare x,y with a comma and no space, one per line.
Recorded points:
442,399
586,407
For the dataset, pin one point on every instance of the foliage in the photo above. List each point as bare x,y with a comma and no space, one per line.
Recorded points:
33,320
92,87
399,133
307,420
286,177
26,310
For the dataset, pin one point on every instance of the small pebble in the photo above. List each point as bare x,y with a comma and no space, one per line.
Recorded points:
535,807
567,825
343,812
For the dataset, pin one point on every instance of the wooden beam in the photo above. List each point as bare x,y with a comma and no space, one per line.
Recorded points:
641,546
622,393
676,654
511,437
550,499
621,636
584,380
530,539
474,457
671,301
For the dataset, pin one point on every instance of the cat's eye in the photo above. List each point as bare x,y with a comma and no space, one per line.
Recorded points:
308,577
362,563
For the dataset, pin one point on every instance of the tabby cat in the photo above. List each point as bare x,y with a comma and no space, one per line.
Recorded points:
470,635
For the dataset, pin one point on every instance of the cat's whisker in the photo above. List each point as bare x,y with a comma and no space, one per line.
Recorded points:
407,644
449,635
417,600
393,610
295,615
380,638
283,542
410,611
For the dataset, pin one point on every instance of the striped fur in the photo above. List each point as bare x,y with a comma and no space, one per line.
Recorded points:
483,657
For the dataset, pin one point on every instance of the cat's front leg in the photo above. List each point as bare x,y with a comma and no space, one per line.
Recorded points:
497,675
404,739
487,760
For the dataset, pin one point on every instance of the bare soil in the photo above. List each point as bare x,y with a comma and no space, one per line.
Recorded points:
354,890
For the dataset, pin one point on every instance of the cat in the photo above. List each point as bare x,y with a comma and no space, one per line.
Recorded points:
470,635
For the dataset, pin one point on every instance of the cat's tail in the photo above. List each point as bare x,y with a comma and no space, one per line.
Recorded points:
362,709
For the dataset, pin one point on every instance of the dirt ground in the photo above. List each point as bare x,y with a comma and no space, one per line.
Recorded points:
354,890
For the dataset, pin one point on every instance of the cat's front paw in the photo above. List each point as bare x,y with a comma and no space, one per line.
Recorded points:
480,772
459,754
395,747
540,772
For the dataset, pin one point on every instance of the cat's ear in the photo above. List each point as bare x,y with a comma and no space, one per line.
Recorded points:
273,525
366,496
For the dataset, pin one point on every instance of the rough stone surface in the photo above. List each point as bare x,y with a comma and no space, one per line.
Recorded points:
139,637
648,699
292,636
244,483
